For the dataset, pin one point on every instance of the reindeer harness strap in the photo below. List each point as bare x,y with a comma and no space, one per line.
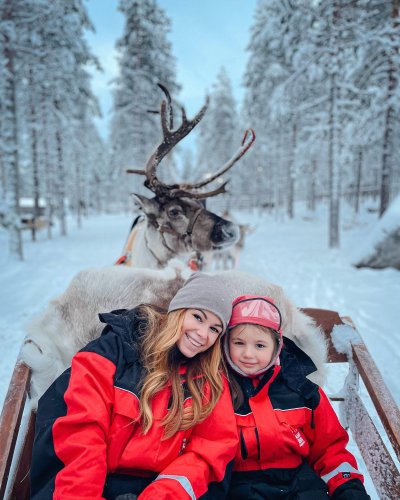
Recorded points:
159,262
193,263
193,222
164,228
126,257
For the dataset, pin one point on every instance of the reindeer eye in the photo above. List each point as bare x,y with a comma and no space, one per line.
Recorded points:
174,212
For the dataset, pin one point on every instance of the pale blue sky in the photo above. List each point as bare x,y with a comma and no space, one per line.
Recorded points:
205,35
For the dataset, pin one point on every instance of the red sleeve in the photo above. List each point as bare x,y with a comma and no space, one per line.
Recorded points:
79,437
211,447
328,454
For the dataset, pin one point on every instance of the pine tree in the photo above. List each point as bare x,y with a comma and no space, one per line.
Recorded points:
341,29
145,59
314,94
268,105
392,49
9,126
54,104
218,131
72,103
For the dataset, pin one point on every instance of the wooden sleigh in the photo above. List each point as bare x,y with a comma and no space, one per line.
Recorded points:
371,434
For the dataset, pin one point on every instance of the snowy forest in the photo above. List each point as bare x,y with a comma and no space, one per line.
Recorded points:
315,201
321,92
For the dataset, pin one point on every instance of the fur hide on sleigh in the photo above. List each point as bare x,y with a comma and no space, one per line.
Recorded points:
71,320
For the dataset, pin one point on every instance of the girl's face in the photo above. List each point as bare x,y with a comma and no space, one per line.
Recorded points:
200,330
251,348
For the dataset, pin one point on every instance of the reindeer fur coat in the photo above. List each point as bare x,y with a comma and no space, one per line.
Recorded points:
71,320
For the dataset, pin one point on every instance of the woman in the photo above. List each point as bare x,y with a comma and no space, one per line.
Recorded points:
143,410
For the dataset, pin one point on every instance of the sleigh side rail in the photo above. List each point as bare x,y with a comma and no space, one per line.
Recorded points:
354,415
15,460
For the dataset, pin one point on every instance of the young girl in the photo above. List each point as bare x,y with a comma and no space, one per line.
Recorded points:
144,410
292,445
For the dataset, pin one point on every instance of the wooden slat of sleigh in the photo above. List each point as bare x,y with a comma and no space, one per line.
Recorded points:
10,425
379,462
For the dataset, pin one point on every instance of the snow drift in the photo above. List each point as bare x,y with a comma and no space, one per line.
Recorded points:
382,249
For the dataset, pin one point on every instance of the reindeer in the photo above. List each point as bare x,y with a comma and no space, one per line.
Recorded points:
176,222
228,258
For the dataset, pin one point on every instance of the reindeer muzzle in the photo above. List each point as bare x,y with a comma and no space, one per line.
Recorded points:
224,234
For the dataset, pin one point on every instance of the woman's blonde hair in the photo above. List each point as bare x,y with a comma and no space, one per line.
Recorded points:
161,359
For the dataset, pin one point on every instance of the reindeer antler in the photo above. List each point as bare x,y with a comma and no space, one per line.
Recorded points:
170,139
169,101
247,142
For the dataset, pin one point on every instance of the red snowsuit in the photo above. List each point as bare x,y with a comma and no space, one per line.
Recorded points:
285,423
88,442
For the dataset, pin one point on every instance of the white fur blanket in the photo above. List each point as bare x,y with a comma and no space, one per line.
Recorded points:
71,320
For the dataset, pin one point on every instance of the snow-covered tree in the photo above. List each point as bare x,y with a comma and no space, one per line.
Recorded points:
269,108
71,102
321,88
218,131
389,49
9,25
145,59
53,102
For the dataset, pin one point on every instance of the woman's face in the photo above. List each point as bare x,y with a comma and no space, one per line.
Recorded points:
200,330
251,348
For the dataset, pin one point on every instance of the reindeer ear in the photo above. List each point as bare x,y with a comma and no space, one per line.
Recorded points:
139,200
142,202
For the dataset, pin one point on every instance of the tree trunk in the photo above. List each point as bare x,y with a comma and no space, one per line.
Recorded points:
334,204
49,184
35,163
61,186
312,187
333,149
78,192
279,169
3,177
390,118
291,173
387,156
10,140
357,187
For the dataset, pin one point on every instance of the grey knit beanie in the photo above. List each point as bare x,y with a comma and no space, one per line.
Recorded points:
204,291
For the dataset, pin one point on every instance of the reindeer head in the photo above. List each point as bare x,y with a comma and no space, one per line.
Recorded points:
177,211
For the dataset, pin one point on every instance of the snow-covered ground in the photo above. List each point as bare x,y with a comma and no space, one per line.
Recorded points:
291,253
